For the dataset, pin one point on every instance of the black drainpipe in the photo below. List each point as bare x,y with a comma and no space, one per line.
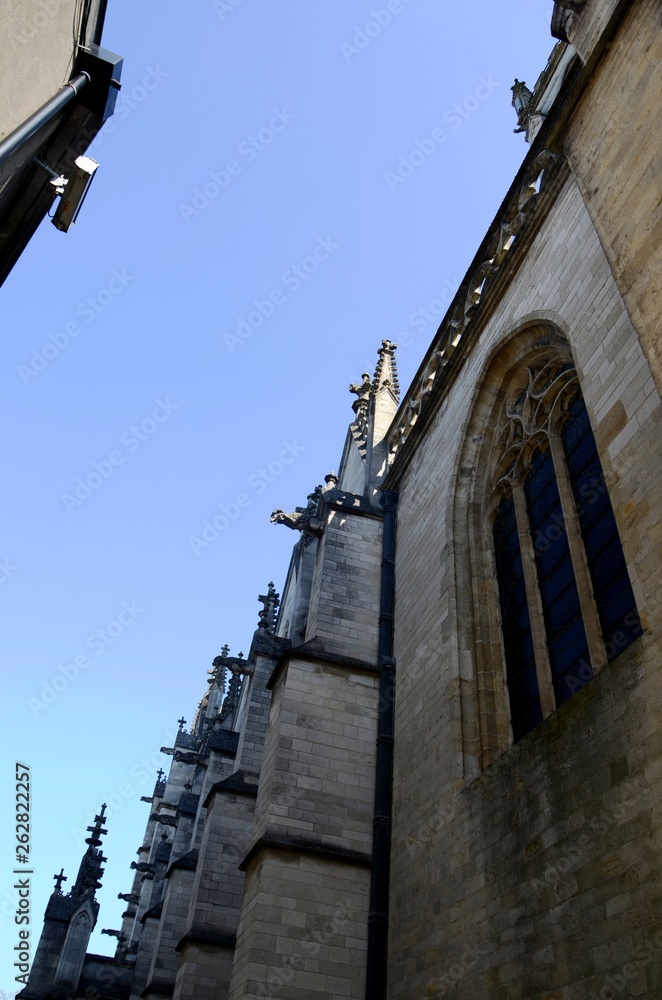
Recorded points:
12,142
381,824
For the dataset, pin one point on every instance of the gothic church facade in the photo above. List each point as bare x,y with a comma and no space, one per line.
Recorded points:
437,772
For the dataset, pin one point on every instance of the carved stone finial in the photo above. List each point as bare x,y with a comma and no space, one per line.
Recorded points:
231,700
386,372
160,774
267,615
218,671
181,722
360,405
89,873
97,830
59,879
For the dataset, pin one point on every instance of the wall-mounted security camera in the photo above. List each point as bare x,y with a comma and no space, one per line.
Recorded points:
74,192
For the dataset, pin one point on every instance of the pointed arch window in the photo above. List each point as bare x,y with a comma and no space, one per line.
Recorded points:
567,606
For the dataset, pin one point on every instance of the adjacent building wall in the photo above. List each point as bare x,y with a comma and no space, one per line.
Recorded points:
539,871
43,35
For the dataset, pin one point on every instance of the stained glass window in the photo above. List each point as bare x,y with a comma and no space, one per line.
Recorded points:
564,626
521,675
611,584
549,595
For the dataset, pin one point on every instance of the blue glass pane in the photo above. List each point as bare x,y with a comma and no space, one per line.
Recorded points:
566,638
558,575
611,585
521,674
524,697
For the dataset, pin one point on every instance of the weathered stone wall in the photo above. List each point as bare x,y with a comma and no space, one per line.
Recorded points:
540,871
614,151
352,469
251,739
150,928
165,960
304,914
317,777
344,604
303,931
588,23
206,951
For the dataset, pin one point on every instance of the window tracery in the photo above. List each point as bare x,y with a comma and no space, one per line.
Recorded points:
566,602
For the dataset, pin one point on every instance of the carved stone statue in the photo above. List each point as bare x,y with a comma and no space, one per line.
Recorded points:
129,897
362,389
163,819
187,758
142,866
303,519
299,520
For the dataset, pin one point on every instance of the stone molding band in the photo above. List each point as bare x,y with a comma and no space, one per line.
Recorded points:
310,848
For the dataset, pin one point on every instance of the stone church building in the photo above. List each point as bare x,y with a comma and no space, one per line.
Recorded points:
438,770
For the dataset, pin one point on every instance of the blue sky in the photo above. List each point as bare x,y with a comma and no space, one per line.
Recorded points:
257,226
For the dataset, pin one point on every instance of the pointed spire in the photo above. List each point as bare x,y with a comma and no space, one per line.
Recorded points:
267,615
231,700
218,672
386,372
96,830
90,871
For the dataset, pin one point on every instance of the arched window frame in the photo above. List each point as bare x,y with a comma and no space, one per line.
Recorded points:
532,420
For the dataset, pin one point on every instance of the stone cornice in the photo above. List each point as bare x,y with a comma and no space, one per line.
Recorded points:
307,652
310,848
563,11
214,938
234,784
152,914
351,503
187,862
160,987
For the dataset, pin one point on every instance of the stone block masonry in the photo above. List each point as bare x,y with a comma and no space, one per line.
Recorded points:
538,873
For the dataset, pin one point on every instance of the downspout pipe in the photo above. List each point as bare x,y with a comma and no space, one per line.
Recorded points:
101,17
381,824
13,142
